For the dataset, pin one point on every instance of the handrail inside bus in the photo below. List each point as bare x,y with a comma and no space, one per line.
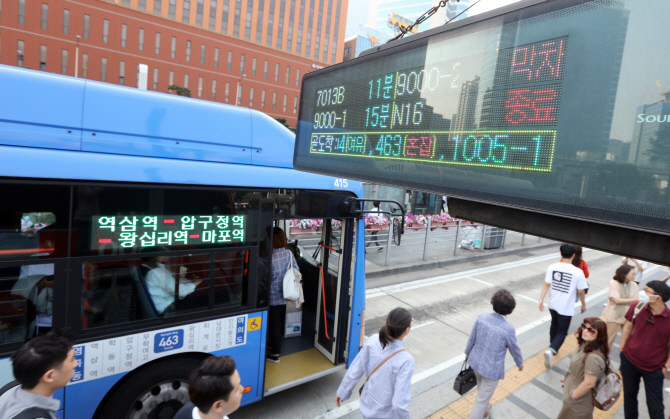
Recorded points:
323,301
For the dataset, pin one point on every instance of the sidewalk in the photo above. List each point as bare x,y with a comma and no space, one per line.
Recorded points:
408,257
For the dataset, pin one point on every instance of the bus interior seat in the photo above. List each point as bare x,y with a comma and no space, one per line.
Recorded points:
146,303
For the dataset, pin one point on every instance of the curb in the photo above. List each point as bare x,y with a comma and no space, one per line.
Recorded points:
442,263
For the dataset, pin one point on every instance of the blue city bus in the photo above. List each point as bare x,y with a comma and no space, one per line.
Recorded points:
142,223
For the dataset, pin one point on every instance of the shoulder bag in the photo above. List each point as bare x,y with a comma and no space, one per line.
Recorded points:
608,389
465,380
360,391
291,282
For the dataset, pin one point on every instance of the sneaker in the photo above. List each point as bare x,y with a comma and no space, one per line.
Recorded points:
548,359
274,359
380,249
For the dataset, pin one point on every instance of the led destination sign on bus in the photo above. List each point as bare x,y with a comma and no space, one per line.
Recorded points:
393,115
131,231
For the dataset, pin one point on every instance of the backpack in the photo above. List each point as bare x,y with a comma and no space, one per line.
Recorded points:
608,389
31,412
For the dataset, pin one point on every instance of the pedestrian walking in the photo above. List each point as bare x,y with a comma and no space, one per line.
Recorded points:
639,266
587,366
565,281
375,212
489,341
644,351
43,365
215,390
389,368
623,292
277,312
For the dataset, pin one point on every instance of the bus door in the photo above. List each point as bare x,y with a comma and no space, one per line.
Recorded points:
336,250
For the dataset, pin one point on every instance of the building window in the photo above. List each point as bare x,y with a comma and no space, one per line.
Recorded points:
333,57
236,21
22,12
247,26
253,67
200,81
103,69
63,61
199,6
285,100
213,89
288,73
298,41
45,16
172,9
126,3
157,50
289,39
171,79
142,5
173,47
265,70
155,83
280,28
238,100
84,65
202,54
186,81
66,22
87,26
224,18
308,50
122,72
20,48
188,51
251,97
227,91
297,77
277,72
186,11
271,18
274,100
105,31
263,99
230,59
124,34
259,21
216,58
43,57
212,15
295,104
158,5
140,44
347,52
242,64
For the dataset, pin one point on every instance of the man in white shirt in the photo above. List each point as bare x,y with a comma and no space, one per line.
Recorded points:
639,266
161,284
215,390
566,282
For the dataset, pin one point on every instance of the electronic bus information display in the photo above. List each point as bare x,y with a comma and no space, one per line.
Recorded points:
555,106
134,231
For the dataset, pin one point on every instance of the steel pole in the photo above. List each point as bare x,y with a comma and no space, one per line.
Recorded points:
458,232
425,243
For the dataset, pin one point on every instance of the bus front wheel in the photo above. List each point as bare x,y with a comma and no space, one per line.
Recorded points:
155,392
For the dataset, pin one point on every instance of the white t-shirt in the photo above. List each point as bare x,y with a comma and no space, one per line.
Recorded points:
565,280
196,415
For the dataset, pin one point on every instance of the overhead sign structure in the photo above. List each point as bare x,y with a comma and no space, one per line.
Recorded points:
537,108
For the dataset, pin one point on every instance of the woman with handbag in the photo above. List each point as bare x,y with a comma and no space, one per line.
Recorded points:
623,292
587,365
389,369
489,341
282,260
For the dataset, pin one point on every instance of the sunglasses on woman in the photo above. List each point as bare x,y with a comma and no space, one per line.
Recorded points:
589,328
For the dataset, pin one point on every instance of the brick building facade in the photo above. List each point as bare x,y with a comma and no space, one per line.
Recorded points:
204,45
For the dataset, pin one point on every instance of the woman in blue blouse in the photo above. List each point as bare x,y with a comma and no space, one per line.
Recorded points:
490,338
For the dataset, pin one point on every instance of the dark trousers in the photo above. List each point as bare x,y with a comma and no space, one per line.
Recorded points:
558,330
276,318
373,235
653,386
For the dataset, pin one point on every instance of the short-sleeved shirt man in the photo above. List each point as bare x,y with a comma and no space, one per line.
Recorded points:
647,346
565,280
189,411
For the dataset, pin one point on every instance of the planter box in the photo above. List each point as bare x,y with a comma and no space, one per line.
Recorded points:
376,227
302,231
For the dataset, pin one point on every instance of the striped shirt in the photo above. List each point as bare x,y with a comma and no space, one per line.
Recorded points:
280,258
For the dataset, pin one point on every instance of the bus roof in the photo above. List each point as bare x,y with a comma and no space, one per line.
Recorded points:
62,127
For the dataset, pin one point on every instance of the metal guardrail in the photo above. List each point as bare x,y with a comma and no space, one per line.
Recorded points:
422,235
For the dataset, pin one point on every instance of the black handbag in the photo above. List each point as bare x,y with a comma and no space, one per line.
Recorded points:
465,380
